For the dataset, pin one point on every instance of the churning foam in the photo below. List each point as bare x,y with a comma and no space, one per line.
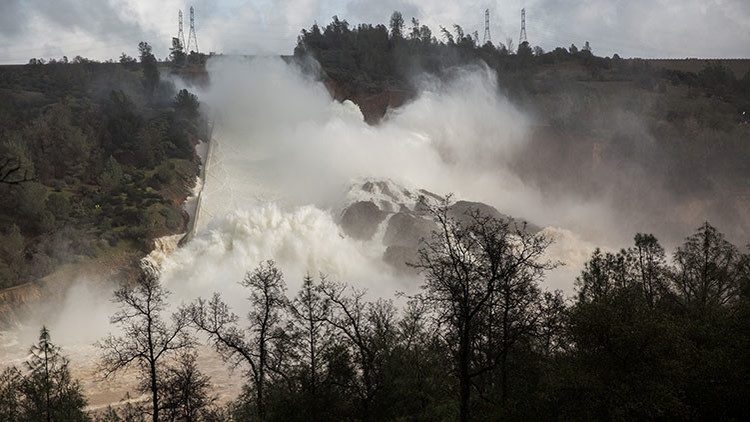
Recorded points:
284,154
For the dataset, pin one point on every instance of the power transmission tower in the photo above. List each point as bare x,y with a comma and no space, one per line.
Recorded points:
191,37
180,33
487,36
522,38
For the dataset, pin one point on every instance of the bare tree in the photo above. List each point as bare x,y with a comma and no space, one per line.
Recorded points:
256,344
369,330
651,266
480,279
313,338
186,390
148,341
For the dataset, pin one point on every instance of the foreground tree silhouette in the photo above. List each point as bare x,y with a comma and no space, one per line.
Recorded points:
47,392
149,66
367,333
480,281
313,338
254,345
708,270
186,391
148,341
628,351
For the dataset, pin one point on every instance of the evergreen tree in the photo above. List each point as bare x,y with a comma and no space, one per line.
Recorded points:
47,392
148,64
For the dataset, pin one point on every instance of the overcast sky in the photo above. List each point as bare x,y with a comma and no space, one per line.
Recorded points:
103,29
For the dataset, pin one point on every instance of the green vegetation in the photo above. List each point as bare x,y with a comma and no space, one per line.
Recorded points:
90,154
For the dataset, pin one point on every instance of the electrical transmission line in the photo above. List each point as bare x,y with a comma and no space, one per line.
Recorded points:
522,38
180,33
487,36
192,39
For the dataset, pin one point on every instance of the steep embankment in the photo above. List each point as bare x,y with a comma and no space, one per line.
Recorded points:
373,102
43,297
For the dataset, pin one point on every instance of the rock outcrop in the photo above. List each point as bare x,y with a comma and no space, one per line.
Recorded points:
372,203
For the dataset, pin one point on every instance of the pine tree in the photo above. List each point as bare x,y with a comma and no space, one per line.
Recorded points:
48,391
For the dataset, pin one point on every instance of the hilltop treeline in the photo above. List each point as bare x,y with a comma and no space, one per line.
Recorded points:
381,55
646,337
91,154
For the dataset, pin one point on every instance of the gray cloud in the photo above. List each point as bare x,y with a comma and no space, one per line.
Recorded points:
12,18
381,11
667,28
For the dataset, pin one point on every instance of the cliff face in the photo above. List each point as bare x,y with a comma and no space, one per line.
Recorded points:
47,294
373,102
16,301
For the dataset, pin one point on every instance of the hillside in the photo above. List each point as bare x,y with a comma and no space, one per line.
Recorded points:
95,161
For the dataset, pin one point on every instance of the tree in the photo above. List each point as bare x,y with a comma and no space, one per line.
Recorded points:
186,104
601,275
397,26
148,64
708,270
368,332
186,390
447,36
59,206
625,339
112,175
177,52
11,383
126,60
256,344
15,165
414,35
524,51
32,197
651,266
144,51
148,340
313,337
47,392
12,254
641,269
480,278
627,358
